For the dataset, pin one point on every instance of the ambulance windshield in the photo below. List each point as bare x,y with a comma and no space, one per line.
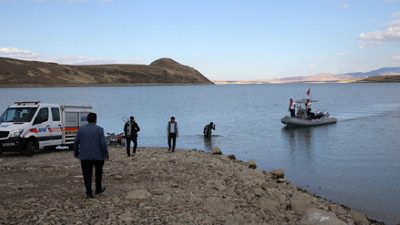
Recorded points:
18,115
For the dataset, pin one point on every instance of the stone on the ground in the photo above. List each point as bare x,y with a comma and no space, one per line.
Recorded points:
251,164
278,173
138,195
218,205
216,151
315,216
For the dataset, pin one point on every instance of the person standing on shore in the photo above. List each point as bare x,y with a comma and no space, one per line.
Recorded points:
131,128
91,148
172,131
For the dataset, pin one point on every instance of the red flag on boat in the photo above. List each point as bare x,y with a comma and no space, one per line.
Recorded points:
308,92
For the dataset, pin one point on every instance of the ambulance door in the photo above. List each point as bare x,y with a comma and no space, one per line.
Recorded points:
56,127
41,126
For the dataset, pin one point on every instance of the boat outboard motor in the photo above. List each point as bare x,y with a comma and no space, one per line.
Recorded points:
326,113
319,114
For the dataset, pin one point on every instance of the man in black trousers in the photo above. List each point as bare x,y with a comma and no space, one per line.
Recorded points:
172,132
91,148
130,129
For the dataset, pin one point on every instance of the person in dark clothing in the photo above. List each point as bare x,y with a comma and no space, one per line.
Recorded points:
131,128
91,148
172,132
208,128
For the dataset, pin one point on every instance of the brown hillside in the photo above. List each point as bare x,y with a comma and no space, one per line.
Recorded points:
381,79
15,72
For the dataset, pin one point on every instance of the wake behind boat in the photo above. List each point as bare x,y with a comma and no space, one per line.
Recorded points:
304,117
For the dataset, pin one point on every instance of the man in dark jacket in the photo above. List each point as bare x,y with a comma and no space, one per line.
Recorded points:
91,148
131,128
172,132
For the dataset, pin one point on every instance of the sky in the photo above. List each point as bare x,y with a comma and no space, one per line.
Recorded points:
222,39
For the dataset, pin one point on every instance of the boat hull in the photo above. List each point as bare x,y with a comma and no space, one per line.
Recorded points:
295,122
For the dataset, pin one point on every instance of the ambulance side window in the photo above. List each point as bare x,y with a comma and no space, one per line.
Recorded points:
56,114
42,116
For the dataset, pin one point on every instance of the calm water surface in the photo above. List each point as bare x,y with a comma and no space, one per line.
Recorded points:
355,162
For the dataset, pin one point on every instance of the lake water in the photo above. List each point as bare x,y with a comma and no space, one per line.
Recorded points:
355,162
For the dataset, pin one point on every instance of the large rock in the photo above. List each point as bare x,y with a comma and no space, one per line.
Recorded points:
218,205
300,203
216,151
232,156
278,173
358,218
277,195
268,204
251,164
315,216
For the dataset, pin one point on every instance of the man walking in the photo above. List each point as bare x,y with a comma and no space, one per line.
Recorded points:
172,131
130,129
91,148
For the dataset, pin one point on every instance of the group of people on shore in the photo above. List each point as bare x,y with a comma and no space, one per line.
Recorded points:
91,148
131,129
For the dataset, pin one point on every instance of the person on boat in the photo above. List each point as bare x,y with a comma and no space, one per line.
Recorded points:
308,108
292,108
310,114
208,128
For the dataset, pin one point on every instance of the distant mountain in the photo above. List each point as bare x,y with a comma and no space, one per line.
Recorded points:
321,77
347,77
317,78
14,72
329,77
378,72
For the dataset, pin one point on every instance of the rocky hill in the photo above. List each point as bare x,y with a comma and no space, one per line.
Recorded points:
15,72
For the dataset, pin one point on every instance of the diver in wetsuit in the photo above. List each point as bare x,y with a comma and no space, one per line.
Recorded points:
208,128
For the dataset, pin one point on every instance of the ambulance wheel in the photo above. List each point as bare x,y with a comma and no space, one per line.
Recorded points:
31,148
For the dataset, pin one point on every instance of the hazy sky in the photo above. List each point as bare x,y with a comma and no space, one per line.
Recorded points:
223,39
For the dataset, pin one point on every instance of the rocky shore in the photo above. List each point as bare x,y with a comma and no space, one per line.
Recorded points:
157,187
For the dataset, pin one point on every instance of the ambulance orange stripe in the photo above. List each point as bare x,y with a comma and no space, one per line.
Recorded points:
71,128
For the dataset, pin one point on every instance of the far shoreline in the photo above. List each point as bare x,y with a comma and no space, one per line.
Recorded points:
98,85
238,82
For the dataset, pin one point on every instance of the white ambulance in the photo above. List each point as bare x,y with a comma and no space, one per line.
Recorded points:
30,126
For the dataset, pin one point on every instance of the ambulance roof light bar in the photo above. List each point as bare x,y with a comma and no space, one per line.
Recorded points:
31,102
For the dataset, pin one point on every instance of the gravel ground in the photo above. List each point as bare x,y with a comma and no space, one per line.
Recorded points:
157,187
